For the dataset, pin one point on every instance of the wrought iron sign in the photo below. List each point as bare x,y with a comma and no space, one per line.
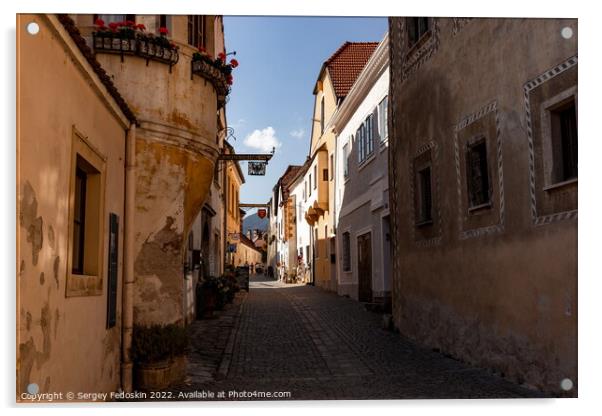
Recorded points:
257,168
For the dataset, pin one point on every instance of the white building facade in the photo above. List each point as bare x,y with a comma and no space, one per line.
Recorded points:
361,185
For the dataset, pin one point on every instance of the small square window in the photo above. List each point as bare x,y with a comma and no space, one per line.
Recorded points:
477,174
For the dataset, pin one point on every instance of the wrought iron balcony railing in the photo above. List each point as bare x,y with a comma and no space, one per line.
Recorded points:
213,75
147,48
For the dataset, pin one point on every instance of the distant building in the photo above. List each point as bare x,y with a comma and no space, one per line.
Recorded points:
483,192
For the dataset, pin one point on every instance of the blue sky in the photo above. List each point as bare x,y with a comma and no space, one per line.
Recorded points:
271,100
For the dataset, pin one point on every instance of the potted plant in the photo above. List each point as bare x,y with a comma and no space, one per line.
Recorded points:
210,296
159,355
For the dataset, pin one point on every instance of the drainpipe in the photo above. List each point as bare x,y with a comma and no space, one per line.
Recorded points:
127,313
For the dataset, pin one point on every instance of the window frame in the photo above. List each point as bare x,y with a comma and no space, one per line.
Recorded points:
416,37
346,252
547,107
197,30
87,157
471,191
422,216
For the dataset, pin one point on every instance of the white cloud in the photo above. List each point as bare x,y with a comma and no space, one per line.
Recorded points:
263,140
299,133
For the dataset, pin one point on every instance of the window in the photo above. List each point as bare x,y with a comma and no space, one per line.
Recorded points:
346,158
322,116
417,27
564,141
365,139
346,252
114,18
196,30
383,129
79,221
359,141
86,220
315,176
369,135
477,174
310,184
331,166
165,21
325,174
425,203
305,190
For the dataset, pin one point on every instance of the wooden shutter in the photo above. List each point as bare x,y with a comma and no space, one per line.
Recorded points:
113,270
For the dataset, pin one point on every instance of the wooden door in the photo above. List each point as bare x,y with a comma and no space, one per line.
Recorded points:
364,267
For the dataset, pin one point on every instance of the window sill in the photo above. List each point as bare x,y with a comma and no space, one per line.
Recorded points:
424,223
475,208
560,185
366,161
384,144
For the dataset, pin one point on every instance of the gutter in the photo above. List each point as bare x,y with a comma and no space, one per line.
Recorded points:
129,279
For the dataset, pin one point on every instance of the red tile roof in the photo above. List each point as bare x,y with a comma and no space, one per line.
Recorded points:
346,64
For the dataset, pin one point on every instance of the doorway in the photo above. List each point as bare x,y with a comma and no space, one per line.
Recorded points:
364,267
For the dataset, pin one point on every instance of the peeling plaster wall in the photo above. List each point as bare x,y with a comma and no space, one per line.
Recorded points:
62,342
505,300
176,150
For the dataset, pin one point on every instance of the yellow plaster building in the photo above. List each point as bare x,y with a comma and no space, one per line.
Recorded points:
335,79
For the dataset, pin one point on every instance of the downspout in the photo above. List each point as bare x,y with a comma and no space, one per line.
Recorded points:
127,325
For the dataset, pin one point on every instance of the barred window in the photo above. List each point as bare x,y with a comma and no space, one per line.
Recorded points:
416,28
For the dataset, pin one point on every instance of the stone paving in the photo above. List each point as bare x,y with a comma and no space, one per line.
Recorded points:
313,344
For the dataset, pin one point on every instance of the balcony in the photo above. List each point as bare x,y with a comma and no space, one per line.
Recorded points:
151,48
213,75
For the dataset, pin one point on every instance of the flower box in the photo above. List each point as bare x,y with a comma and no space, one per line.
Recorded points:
216,77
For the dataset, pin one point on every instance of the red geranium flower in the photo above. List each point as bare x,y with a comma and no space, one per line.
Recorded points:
222,56
234,63
201,49
129,23
113,25
140,26
100,23
229,81
163,30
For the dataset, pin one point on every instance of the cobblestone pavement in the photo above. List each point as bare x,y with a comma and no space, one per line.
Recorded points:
317,345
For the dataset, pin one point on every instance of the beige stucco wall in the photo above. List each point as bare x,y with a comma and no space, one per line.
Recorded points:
233,218
62,343
505,300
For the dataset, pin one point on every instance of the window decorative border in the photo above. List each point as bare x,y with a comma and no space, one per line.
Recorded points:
458,23
414,57
430,146
528,87
466,121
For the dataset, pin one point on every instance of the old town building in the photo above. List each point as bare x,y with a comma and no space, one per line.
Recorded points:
108,199
233,213
483,192
72,193
361,184
337,75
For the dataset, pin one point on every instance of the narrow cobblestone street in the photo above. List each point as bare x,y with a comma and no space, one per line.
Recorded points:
317,345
